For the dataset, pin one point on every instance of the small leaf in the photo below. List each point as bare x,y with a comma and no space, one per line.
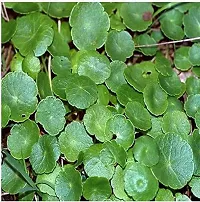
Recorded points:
138,115
74,140
33,34
93,65
194,56
181,59
141,74
157,35
116,78
137,16
90,20
19,92
196,71
175,167
95,121
103,95
156,129
155,99
50,114
116,23
164,195
195,185
68,184
81,91
174,104
140,183
181,197
5,115
146,151
8,30
44,154
192,85
16,63
96,189
119,45
27,133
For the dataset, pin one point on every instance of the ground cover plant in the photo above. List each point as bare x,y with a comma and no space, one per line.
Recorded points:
100,101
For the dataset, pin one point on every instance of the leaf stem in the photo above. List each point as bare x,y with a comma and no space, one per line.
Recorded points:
4,12
49,72
59,26
166,43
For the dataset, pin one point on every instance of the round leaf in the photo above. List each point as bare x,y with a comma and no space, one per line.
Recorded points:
140,75
92,22
5,115
95,121
137,16
68,186
16,63
50,114
146,151
194,56
33,34
164,195
96,189
27,133
81,91
19,92
25,7
119,45
74,140
175,167
195,185
93,65
44,154
155,99
138,115
192,85
116,78
140,183
8,30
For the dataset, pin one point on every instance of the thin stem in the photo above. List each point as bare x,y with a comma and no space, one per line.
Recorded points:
5,12
49,72
166,43
43,63
59,26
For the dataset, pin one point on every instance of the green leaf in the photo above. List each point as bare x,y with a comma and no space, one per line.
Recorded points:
138,115
197,119
103,95
74,140
194,56
16,63
97,163
171,22
51,115
8,30
27,133
25,8
47,197
192,85
123,129
116,78
96,189
109,7
44,154
5,115
171,84
191,22
90,20
145,39
196,71
176,122
31,65
175,167
33,34
192,105
195,185
57,9
155,99
174,104
146,151
156,129
95,121
126,93
116,23
43,181
181,59
140,183
68,184
27,196
141,74
61,66
81,91
157,35
43,85
137,16
19,92
117,184
163,65
181,197
11,180
119,45
164,195
94,65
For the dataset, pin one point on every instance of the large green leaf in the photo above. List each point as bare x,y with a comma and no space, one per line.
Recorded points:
44,154
27,133
34,34
175,167
8,30
74,140
51,114
19,92
92,22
